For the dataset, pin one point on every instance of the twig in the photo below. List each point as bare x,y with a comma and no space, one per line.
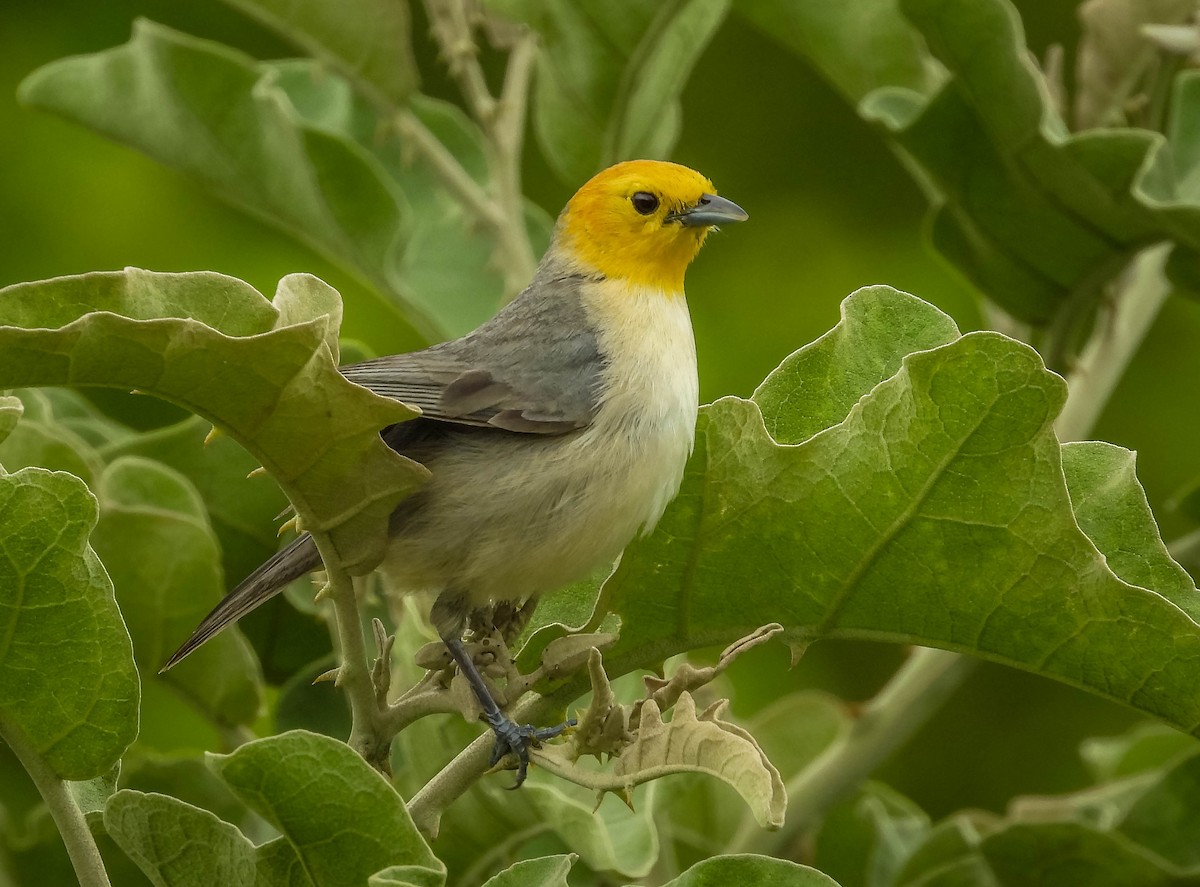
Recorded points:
456,179
1186,548
427,805
71,823
507,134
503,124
451,28
367,734
1106,356
915,692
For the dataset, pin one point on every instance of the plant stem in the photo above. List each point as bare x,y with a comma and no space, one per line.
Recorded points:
456,179
914,693
72,826
1186,548
507,132
367,735
1107,354
460,774
502,122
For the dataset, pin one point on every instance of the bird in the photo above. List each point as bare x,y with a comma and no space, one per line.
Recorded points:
554,434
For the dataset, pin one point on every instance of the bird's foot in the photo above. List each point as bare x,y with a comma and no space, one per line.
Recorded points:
517,739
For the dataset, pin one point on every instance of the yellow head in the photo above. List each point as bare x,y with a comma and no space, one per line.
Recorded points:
642,221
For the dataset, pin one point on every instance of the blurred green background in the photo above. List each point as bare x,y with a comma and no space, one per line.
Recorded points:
831,210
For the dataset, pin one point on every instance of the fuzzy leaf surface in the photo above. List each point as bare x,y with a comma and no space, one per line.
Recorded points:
156,543
935,512
178,845
338,816
68,686
263,371
689,743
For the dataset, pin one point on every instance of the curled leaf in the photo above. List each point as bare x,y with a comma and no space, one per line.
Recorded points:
705,744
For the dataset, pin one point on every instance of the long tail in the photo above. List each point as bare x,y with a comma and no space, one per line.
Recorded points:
259,587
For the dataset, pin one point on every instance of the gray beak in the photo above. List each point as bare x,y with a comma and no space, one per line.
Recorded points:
710,210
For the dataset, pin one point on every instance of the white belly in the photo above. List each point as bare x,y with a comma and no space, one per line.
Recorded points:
515,517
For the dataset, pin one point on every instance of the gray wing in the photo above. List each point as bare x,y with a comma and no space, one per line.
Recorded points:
534,368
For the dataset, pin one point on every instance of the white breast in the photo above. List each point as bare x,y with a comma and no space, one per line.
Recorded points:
515,517
648,414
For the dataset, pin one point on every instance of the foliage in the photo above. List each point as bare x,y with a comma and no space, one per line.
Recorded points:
895,480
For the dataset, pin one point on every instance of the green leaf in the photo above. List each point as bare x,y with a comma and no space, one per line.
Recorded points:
1034,216
1110,506
68,686
188,779
860,46
1148,746
750,869
547,871
935,513
446,263
92,795
816,386
215,346
608,837
340,817
220,116
178,845
368,41
407,876
1005,167
610,74
294,144
40,440
241,511
154,539
865,839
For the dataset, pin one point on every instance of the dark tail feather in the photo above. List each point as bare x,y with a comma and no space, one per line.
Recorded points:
259,587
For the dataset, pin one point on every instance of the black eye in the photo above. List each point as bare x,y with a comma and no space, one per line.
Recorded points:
644,202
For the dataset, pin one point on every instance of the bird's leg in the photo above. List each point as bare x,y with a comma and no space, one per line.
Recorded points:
448,617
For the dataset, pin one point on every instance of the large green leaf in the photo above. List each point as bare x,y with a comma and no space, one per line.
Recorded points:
178,845
68,686
936,512
1036,217
368,40
264,371
338,816
610,75
216,114
299,146
155,541
241,511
